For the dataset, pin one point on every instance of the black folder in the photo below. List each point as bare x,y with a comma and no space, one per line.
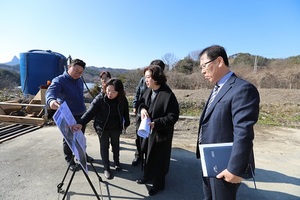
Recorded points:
214,158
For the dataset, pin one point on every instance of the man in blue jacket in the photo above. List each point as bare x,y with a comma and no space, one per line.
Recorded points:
68,87
228,116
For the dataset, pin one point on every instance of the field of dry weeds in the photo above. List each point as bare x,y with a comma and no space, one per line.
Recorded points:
281,104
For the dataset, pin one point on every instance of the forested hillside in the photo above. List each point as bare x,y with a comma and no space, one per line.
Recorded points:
185,73
262,72
9,79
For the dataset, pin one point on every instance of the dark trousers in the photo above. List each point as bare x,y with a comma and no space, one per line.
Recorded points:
219,189
159,182
107,137
138,140
67,151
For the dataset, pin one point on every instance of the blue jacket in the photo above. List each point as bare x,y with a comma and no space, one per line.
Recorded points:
64,88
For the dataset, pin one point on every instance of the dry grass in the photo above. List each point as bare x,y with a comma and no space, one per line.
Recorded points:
279,107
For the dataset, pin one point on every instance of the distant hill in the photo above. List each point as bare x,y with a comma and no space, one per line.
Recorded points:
15,61
9,79
14,68
91,72
13,65
261,71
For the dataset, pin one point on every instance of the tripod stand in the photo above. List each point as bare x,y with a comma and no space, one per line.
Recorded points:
59,186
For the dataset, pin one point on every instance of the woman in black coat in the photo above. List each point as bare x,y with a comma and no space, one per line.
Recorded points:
160,105
111,115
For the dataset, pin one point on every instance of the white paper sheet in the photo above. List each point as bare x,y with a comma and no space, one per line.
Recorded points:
144,128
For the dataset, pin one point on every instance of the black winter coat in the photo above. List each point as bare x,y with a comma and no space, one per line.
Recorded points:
164,112
99,111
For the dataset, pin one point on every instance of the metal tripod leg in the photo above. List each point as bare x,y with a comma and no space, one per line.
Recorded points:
73,174
59,186
91,163
91,184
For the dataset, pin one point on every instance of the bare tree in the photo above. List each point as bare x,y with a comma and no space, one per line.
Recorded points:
294,81
131,80
170,60
195,55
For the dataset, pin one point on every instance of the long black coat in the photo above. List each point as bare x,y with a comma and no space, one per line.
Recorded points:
164,112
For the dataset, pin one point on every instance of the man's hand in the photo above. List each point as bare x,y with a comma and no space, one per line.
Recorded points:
229,177
54,105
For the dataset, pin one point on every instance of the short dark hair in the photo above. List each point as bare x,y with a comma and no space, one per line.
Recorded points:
78,62
119,87
105,73
158,62
214,52
157,74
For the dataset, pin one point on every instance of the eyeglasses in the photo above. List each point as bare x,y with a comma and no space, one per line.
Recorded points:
77,71
204,65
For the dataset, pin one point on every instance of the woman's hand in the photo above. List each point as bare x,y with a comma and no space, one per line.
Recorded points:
76,127
144,113
151,124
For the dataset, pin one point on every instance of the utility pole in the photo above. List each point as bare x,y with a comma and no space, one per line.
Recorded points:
255,65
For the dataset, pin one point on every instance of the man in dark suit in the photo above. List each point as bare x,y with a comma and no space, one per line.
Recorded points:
228,116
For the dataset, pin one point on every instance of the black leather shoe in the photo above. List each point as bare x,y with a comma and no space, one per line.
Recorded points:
73,167
118,168
154,191
90,159
135,161
141,181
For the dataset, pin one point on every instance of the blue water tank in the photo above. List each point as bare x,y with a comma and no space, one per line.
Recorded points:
39,66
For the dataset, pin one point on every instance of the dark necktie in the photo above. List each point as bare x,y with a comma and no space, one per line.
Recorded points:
211,99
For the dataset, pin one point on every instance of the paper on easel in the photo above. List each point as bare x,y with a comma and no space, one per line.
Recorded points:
144,129
76,141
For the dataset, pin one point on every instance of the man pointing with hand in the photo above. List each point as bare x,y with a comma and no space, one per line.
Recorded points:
68,87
